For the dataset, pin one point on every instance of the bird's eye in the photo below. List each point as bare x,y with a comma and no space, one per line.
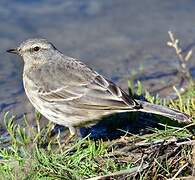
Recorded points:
36,48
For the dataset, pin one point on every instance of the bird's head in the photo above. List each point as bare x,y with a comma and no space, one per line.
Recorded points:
34,50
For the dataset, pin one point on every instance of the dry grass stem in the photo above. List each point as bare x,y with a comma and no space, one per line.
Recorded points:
183,59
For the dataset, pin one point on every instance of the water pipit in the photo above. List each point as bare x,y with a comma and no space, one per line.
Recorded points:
69,93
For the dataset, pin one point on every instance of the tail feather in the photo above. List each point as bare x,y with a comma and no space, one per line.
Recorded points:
165,111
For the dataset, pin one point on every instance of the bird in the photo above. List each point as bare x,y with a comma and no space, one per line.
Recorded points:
69,93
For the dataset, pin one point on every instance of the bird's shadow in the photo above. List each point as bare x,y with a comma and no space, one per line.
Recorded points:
117,125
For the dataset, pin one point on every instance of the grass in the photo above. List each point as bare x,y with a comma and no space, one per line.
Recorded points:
29,152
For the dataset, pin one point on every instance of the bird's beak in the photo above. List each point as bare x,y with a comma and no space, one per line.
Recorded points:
14,51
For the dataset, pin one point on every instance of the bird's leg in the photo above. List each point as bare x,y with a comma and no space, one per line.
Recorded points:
72,134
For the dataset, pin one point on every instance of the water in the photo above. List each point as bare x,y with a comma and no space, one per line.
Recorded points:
116,38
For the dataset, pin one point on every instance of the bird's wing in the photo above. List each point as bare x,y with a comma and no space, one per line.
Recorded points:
82,87
104,94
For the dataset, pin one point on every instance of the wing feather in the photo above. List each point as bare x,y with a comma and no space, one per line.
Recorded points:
96,94
72,82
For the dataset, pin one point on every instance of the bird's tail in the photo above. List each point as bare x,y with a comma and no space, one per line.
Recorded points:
165,111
